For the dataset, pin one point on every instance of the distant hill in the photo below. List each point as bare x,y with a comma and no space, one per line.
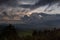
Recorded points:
39,21
42,20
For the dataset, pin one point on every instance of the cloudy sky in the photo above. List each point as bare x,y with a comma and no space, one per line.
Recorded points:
14,9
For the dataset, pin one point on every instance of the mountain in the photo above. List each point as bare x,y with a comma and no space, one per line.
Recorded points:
39,21
43,20
40,18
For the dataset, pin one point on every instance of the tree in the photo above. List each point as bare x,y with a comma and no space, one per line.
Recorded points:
9,33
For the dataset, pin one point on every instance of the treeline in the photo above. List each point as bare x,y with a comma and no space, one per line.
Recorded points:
44,35
10,33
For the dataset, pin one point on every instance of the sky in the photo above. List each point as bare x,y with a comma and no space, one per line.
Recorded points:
15,9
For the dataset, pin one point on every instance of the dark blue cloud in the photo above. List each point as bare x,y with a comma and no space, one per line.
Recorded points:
45,2
8,2
25,6
3,1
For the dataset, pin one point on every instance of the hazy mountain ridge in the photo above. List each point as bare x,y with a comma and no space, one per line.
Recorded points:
40,17
39,21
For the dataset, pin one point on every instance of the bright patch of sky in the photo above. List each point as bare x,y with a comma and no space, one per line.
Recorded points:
28,2
51,10
54,9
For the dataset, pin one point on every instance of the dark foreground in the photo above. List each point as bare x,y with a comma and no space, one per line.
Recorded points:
10,33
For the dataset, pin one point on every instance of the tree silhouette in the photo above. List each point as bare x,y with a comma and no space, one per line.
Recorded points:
9,33
34,33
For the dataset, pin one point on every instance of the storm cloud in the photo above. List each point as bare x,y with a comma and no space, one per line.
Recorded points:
8,2
41,3
13,7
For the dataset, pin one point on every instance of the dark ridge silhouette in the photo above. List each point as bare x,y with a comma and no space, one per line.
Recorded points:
9,33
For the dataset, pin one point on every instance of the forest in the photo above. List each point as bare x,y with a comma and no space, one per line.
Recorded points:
10,33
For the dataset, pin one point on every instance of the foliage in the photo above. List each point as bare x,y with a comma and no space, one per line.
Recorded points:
10,33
